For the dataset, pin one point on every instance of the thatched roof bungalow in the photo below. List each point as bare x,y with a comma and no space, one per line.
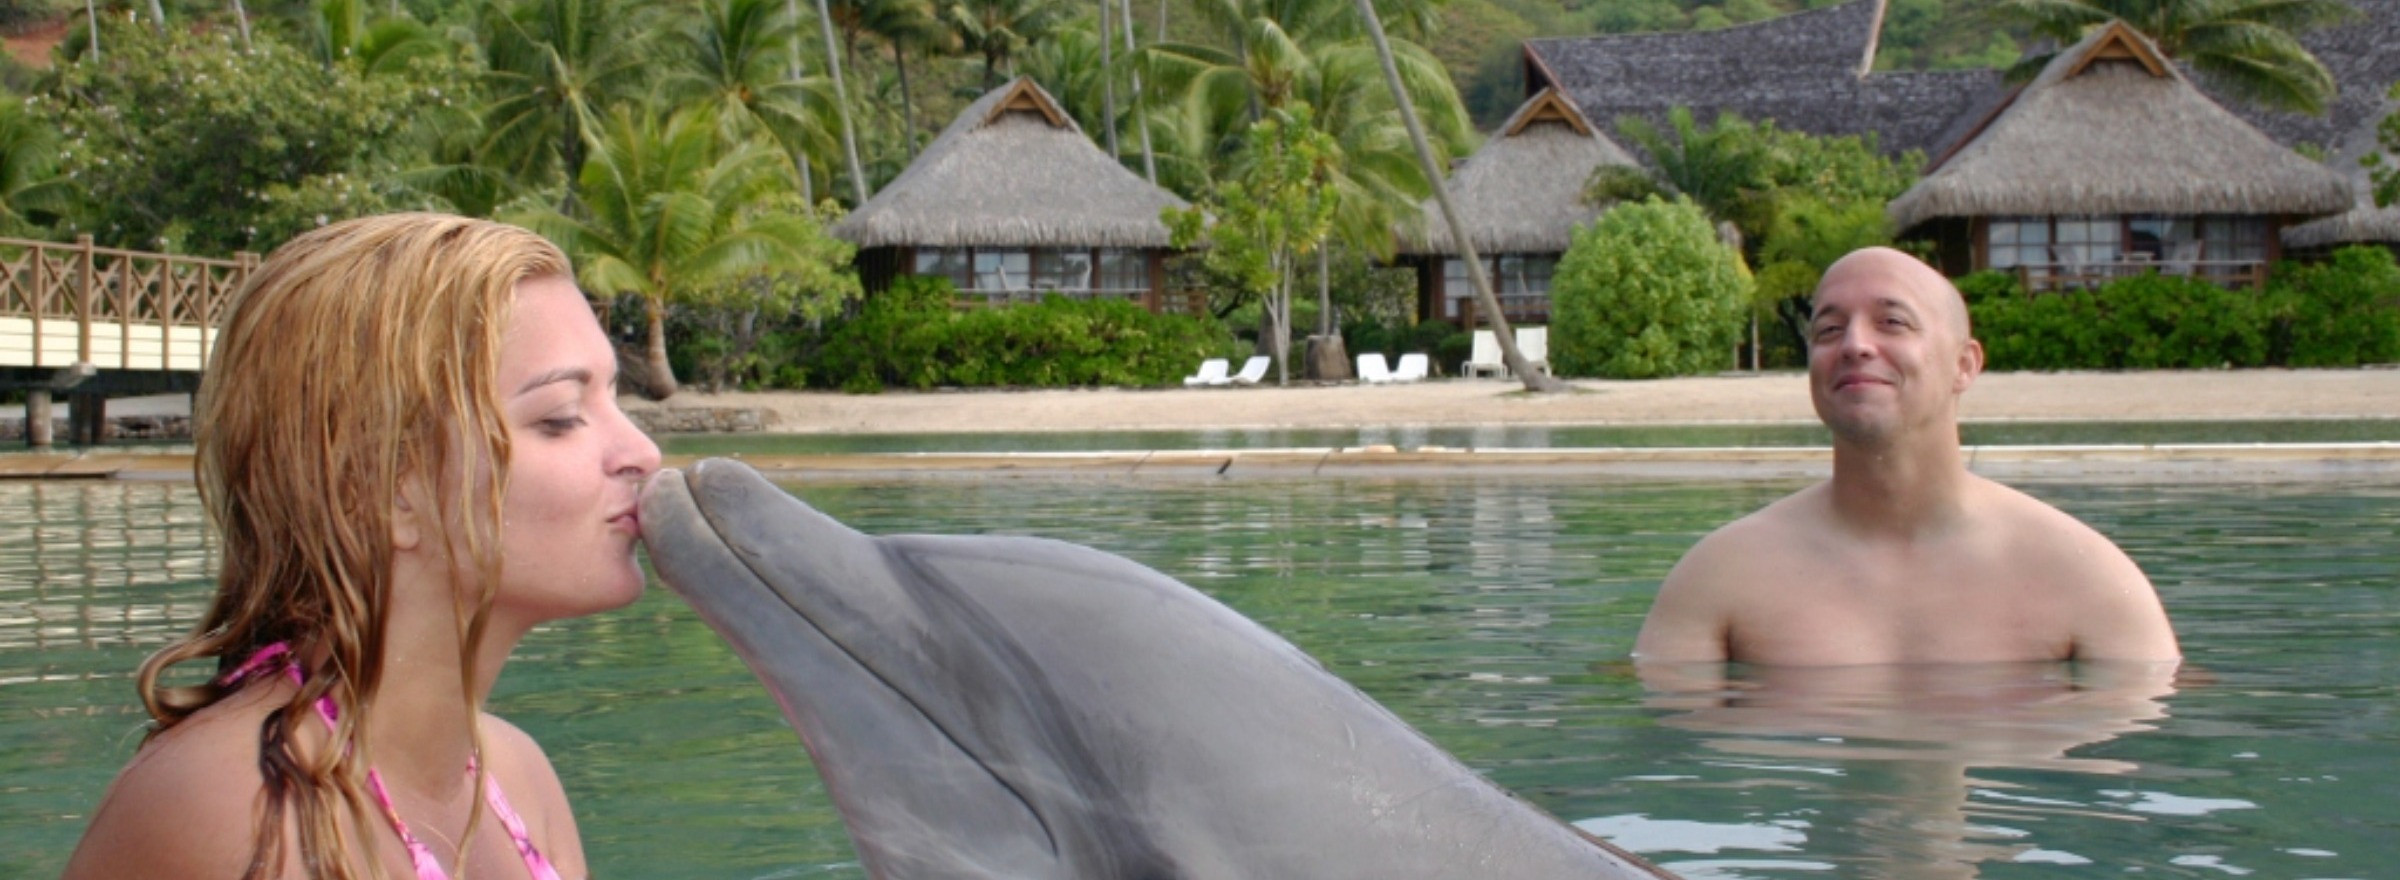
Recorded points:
2360,55
1520,198
2110,162
1809,71
1013,201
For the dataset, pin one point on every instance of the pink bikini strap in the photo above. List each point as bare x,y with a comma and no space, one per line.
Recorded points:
419,856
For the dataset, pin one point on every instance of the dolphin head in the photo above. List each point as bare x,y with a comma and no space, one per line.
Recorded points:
1018,707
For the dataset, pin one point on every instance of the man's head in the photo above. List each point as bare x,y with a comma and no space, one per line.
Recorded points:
1889,349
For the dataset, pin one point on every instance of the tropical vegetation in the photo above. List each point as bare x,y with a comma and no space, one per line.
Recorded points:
1648,291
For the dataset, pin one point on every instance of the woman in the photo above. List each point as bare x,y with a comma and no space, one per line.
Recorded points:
409,442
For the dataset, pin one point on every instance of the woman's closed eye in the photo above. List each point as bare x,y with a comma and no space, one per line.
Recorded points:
556,426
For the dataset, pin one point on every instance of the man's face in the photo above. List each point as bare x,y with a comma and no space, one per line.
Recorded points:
1888,352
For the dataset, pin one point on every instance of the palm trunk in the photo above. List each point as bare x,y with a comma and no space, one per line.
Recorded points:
808,194
660,383
1108,81
91,12
1324,292
1141,116
158,16
1486,301
241,19
841,99
908,102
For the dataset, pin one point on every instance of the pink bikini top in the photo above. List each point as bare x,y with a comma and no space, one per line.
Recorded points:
419,857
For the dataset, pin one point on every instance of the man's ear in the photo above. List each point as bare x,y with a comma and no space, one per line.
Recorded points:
1970,365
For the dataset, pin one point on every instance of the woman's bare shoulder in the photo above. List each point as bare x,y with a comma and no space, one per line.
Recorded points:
184,806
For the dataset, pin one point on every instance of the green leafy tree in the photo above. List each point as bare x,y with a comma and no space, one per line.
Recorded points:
673,215
1276,208
2251,47
185,143
1726,169
33,195
1647,291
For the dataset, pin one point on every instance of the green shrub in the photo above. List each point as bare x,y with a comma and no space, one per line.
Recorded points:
1647,291
911,336
2342,312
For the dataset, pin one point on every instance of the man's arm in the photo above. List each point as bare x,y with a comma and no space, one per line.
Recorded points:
2123,618
1686,624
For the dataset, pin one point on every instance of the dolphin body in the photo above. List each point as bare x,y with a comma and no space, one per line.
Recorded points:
1027,708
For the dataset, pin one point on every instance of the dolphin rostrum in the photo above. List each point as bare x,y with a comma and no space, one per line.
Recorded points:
1026,708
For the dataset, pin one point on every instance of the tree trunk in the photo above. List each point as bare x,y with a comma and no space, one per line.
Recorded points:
241,19
1108,81
91,12
808,194
1486,301
1324,292
158,16
841,100
660,383
908,102
1279,321
1141,116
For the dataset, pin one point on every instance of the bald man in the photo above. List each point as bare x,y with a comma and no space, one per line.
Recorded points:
1903,556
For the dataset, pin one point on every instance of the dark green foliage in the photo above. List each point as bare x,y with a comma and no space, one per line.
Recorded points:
910,336
1646,292
2342,313
1440,341
184,143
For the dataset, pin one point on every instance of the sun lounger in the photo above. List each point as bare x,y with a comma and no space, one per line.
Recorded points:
1372,369
1486,356
1534,344
1212,372
1253,370
1413,368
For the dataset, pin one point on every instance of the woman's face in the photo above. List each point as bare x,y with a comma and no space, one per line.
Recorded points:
568,525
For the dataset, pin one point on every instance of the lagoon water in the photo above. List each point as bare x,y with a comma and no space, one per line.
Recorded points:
1495,614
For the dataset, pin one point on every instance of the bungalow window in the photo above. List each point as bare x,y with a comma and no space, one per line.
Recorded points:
948,263
1518,279
999,271
2084,241
1062,270
2020,241
2234,238
1123,269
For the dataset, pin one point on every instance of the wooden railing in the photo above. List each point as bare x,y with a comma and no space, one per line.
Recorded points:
64,304
2053,277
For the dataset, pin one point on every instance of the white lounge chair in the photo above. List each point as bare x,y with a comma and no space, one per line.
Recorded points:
1372,369
1413,368
1486,357
1534,344
1254,370
1212,372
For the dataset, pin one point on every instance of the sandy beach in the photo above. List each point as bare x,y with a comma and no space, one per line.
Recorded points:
1727,399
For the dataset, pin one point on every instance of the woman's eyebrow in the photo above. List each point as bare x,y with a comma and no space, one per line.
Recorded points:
564,374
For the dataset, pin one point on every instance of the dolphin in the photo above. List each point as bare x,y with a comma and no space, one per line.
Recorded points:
1026,708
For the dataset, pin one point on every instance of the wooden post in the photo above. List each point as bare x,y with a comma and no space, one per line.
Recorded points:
85,281
87,419
37,418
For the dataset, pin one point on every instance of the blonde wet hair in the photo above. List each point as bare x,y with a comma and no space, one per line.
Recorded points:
357,358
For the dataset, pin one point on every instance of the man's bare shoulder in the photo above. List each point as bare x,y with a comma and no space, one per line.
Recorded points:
1692,618
2115,611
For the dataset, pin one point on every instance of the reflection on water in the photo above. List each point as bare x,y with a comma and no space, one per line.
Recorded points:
1492,612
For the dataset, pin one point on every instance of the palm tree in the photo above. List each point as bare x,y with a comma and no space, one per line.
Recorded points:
382,47
2249,47
554,64
673,213
998,29
735,69
841,105
1486,301
907,25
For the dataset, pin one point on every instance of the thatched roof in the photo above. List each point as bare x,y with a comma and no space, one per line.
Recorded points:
2109,127
1012,170
1522,192
1800,70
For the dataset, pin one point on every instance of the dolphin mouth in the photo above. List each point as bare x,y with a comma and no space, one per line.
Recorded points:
777,579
